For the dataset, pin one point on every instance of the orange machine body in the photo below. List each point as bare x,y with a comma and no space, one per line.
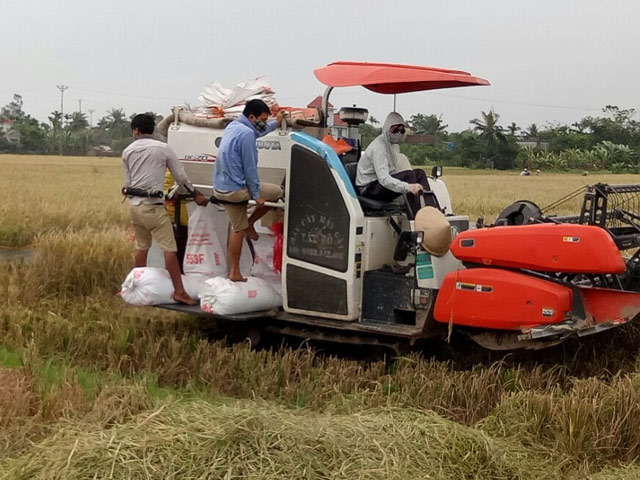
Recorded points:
544,247
501,299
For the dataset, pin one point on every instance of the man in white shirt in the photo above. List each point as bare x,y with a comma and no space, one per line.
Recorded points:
145,162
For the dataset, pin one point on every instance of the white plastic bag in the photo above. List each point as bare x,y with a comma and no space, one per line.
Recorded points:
221,296
231,102
263,261
205,253
153,286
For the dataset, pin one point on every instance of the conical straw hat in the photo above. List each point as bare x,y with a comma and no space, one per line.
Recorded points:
437,232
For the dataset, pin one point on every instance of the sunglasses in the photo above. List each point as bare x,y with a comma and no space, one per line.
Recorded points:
397,128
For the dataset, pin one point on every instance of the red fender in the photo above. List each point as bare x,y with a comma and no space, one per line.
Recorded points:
500,299
545,247
602,305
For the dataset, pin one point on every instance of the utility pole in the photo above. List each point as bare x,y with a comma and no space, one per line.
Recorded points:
91,110
62,88
80,105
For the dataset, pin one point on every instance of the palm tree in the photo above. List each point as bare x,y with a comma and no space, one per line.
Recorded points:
78,121
428,124
116,124
116,116
56,119
513,128
489,129
373,120
534,134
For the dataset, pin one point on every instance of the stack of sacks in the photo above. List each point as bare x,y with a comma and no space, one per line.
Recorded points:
220,102
205,268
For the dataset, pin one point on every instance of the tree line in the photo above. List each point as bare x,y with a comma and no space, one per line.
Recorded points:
68,134
610,141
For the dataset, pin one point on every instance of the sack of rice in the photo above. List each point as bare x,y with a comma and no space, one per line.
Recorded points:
205,252
221,296
153,286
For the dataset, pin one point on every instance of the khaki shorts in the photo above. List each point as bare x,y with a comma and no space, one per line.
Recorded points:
238,213
152,221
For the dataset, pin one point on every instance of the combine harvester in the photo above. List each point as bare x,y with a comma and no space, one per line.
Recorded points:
354,270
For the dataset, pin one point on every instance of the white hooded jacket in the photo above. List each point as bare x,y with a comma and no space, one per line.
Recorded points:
380,159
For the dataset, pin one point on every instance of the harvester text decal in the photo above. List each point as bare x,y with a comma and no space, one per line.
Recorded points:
202,157
474,286
261,144
317,236
268,145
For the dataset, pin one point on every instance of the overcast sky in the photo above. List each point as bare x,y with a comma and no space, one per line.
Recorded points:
547,61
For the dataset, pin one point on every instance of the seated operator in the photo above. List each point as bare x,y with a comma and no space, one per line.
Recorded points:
377,176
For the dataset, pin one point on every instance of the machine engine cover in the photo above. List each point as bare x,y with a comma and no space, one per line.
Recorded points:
501,299
546,247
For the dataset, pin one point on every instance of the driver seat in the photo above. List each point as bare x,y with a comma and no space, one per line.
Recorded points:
369,204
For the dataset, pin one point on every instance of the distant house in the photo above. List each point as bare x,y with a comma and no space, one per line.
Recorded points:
533,144
6,125
10,133
338,127
317,103
422,139
101,151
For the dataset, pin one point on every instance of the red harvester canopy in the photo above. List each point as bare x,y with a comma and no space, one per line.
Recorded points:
392,78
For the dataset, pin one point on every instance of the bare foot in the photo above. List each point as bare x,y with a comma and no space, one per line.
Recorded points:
184,298
251,233
237,278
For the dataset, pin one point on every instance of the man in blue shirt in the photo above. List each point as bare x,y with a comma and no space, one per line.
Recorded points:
235,178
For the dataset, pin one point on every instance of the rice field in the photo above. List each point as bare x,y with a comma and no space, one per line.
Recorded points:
93,388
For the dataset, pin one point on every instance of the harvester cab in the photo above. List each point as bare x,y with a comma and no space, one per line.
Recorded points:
347,257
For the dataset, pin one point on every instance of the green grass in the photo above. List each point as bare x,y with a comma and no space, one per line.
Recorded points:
10,358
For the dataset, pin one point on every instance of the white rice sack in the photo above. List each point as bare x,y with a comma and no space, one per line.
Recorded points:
147,286
153,286
221,296
205,253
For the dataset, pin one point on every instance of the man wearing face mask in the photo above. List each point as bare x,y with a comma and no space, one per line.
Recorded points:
235,177
377,176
